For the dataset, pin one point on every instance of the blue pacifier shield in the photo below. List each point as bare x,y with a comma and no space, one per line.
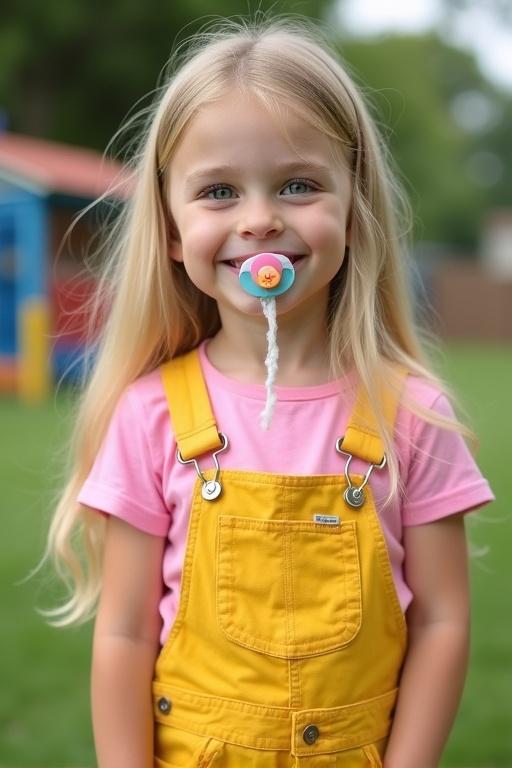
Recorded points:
266,275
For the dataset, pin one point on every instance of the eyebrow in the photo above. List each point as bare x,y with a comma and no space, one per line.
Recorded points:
285,168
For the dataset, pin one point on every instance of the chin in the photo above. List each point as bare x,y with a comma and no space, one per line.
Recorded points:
250,307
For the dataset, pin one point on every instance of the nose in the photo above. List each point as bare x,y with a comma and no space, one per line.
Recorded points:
259,219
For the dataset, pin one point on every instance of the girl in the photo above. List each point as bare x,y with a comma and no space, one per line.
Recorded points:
289,597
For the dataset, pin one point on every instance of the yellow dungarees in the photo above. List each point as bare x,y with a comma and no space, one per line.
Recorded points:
289,639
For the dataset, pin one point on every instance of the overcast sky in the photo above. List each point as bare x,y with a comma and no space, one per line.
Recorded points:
477,29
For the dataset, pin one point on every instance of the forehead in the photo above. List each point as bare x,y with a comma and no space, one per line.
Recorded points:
239,127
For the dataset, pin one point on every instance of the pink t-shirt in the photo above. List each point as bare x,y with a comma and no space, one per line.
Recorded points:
136,476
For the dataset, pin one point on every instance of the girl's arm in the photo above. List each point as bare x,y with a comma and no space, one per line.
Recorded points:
125,646
438,623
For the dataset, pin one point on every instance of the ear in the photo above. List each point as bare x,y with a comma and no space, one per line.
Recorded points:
348,229
174,246
175,250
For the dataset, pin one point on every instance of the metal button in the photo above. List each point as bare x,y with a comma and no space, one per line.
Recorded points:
211,490
354,497
310,734
164,705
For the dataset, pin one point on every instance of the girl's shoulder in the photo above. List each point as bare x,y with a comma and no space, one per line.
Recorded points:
142,411
424,393
146,390
124,480
424,409
440,473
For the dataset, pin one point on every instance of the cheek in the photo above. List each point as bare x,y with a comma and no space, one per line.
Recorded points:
201,237
328,231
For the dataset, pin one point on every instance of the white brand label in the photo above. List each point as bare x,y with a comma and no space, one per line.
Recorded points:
327,519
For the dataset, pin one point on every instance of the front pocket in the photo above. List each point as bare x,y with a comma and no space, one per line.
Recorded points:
180,749
288,588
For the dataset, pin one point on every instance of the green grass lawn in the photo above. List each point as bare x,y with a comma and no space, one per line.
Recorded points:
44,709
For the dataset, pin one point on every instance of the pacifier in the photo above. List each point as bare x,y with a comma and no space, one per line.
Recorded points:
266,276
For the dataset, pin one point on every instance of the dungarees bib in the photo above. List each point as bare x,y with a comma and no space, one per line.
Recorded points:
289,639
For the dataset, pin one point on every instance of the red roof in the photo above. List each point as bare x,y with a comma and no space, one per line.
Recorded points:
51,167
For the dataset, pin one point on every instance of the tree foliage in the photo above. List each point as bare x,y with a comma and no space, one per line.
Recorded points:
416,85
71,71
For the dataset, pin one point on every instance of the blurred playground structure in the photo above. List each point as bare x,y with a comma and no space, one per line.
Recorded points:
43,286
43,185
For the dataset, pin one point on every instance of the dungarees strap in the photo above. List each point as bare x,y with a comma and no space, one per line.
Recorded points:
362,436
192,419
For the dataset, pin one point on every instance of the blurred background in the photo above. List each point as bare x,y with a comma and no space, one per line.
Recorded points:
438,74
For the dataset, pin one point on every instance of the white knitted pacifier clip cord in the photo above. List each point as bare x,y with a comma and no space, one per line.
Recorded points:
271,360
266,276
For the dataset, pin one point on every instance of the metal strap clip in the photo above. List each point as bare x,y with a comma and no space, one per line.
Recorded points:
211,488
354,495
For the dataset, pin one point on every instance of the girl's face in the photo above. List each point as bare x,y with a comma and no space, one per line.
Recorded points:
241,183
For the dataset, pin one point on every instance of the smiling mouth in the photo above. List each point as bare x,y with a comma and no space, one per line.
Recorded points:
237,263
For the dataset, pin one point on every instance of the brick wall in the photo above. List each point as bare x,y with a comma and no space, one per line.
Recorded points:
471,304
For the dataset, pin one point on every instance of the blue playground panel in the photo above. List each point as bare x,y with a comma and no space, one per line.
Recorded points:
7,288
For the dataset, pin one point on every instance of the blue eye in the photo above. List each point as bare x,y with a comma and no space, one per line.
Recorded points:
219,192
298,187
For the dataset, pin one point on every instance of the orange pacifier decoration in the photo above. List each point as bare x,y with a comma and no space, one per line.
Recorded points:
266,276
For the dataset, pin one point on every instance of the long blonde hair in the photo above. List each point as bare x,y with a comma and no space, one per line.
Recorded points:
156,313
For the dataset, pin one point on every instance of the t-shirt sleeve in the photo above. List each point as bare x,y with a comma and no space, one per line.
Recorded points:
443,477
124,480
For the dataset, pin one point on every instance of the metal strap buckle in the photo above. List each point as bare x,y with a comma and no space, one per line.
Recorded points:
211,489
354,495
